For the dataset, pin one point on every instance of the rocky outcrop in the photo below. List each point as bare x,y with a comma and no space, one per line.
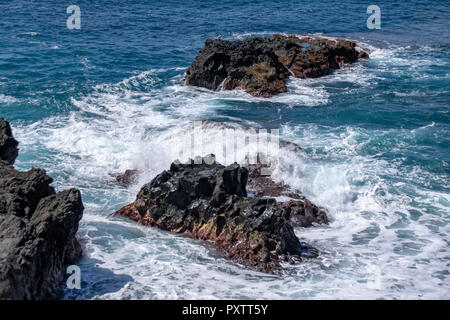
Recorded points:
260,66
8,145
210,201
301,211
37,228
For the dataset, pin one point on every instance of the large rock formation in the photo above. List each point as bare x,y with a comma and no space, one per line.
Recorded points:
8,145
260,66
37,228
209,201
301,211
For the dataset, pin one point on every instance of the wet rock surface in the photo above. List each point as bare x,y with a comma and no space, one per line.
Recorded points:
260,66
8,145
209,201
128,177
301,211
37,228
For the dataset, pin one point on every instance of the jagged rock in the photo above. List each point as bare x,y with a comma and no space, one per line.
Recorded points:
37,229
128,177
260,66
305,214
262,185
301,211
208,201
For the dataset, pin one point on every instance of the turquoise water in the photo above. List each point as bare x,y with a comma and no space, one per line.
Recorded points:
88,103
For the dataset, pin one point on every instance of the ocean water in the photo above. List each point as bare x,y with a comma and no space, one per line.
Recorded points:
88,103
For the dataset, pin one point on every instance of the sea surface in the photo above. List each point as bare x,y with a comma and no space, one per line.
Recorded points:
86,104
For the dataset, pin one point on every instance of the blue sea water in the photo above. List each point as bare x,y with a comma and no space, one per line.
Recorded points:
88,103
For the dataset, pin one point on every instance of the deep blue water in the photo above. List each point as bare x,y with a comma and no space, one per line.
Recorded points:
91,102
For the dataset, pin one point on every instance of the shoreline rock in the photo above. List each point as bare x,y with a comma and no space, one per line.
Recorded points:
37,228
260,66
209,201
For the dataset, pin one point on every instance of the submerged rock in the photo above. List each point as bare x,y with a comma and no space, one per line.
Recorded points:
209,201
260,66
37,228
128,177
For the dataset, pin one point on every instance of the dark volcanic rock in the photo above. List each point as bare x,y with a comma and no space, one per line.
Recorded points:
8,145
305,214
208,201
128,177
37,229
301,211
260,66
